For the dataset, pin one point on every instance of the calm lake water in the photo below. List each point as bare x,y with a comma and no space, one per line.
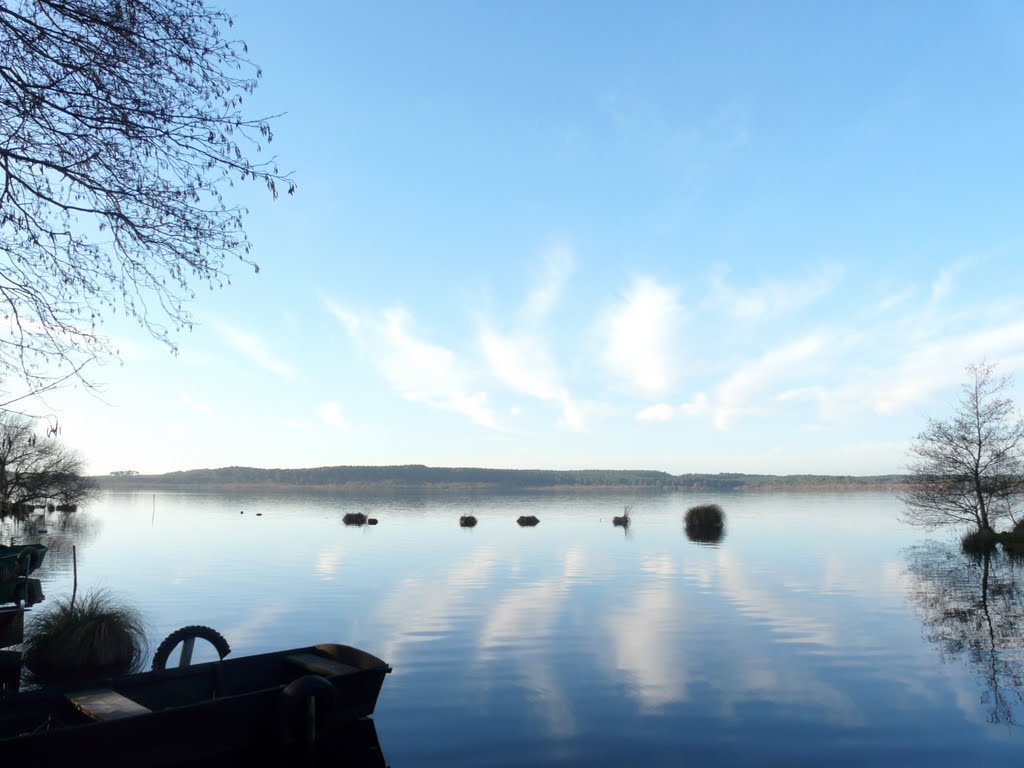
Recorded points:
820,630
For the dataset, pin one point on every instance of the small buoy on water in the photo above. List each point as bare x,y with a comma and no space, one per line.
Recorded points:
242,512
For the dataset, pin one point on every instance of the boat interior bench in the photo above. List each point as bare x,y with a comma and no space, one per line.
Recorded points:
320,665
105,704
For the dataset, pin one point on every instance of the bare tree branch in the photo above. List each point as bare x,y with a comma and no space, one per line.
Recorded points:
121,125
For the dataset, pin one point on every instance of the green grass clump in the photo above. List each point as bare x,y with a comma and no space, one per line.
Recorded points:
96,636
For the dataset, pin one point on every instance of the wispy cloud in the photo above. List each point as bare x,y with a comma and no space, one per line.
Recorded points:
946,279
416,369
915,377
256,349
938,366
331,415
641,337
896,299
558,265
521,359
523,364
745,391
773,297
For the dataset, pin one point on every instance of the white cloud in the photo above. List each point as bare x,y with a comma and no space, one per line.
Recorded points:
946,279
256,349
417,370
895,299
331,415
558,263
921,374
742,391
523,364
665,412
641,337
938,366
349,320
773,297
659,412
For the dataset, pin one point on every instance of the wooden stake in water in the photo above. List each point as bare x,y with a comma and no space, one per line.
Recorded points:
74,566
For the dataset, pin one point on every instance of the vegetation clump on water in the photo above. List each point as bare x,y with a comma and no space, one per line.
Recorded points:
705,523
467,521
95,636
354,518
1013,540
979,542
528,520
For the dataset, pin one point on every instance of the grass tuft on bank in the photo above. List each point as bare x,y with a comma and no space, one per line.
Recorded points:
97,635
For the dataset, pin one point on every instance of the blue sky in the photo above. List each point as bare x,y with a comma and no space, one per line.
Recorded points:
695,237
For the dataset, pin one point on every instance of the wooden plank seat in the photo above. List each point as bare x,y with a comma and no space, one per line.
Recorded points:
105,704
320,665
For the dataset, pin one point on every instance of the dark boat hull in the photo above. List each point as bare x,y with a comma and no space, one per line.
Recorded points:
26,558
196,712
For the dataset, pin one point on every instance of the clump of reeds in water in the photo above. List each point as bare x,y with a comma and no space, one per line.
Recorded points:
528,520
1013,541
624,519
96,635
467,521
705,523
979,542
354,518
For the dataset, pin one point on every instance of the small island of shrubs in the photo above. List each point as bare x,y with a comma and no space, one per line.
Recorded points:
982,541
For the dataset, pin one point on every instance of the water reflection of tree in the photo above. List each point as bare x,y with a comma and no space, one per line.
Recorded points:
971,606
59,531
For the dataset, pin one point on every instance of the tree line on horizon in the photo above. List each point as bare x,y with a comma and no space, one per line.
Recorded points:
417,475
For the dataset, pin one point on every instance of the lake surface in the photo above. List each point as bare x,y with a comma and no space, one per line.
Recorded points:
820,630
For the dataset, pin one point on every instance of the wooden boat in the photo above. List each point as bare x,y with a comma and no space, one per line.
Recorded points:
26,557
270,702
25,591
8,567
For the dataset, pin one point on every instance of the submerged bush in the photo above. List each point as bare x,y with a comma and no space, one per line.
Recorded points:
705,523
354,518
467,521
98,635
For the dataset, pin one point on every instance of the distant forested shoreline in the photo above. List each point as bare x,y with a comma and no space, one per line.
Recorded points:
420,477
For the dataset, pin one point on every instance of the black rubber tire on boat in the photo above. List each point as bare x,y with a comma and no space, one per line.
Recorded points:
295,698
173,640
